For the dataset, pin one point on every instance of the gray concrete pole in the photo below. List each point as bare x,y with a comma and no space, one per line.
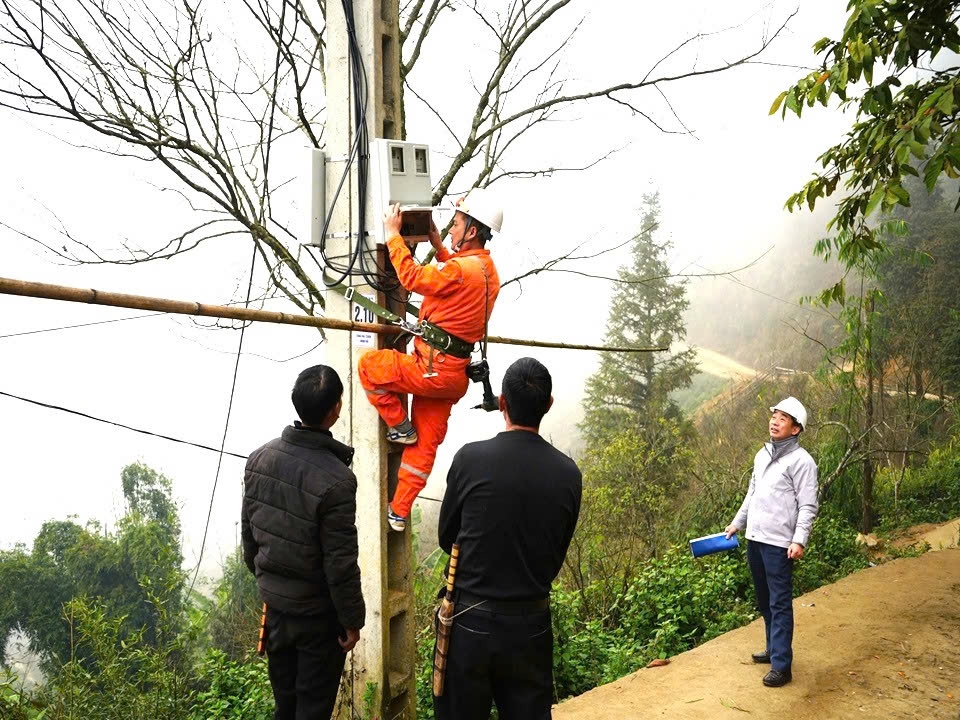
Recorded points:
381,673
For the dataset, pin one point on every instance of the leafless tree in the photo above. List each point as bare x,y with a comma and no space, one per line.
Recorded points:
171,83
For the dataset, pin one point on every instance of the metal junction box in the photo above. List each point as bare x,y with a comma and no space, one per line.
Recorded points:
400,173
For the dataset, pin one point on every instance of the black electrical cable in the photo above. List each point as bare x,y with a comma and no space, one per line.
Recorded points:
357,265
87,416
80,325
358,153
226,424
180,441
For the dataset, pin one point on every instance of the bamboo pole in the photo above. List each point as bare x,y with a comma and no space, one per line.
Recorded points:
24,288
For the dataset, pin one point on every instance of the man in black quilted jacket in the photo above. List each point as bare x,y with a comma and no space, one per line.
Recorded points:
299,534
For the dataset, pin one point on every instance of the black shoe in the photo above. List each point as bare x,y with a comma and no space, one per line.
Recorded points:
775,678
761,658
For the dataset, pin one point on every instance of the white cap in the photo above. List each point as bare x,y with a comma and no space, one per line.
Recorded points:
481,206
794,408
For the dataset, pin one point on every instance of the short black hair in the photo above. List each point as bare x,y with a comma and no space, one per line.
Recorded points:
316,392
484,233
526,391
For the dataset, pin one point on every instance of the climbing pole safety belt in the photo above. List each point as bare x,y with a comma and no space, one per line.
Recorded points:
435,336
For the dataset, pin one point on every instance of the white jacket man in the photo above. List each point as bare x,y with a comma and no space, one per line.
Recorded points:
778,513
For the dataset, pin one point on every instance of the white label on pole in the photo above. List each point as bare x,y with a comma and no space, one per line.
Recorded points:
361,314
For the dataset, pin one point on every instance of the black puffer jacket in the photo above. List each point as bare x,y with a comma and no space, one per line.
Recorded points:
299,528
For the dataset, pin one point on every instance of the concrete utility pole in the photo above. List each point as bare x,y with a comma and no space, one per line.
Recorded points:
382,673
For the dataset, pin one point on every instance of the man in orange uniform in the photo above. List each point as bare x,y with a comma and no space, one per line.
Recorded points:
458,296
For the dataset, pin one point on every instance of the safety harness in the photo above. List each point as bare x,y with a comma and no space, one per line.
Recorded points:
436,337
433,335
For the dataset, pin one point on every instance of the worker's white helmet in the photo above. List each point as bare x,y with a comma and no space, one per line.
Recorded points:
794,408
481,206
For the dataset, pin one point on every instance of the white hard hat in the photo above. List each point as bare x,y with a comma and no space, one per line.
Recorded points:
481,206
794,408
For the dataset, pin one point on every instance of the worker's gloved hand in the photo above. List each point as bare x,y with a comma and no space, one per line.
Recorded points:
392,221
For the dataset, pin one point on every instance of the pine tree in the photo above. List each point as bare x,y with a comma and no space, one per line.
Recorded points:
632,390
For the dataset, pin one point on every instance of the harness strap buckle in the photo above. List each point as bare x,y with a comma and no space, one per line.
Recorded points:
415,329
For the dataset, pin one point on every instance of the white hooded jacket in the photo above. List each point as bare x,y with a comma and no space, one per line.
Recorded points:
781,502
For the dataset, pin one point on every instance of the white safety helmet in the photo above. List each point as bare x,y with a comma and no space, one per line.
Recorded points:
481,206
794,408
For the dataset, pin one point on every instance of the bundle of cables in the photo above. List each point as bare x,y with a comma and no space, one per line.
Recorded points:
358,262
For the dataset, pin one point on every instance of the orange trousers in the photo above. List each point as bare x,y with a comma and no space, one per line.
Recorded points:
385,374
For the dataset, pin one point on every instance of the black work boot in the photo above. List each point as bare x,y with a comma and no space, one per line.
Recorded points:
775,678
761,658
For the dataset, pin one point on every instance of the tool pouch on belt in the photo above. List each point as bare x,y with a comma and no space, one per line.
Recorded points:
443,341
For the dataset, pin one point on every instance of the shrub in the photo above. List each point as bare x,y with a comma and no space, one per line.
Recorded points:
232,689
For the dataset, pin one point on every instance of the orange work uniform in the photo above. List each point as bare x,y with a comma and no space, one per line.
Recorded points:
458,296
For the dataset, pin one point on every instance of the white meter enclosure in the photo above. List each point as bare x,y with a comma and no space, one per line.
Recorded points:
400,172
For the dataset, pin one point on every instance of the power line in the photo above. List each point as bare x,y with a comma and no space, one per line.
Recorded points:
226,424
80,325
87,416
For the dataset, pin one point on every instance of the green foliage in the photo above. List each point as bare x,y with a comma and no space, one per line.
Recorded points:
637,442
120,569
703,387
233,618
231,689
673,603
113,674
425,639
14,704
831,554
922,287
901,130
929,493
629,484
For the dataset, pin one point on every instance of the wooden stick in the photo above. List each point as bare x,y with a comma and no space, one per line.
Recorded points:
262,639
24,288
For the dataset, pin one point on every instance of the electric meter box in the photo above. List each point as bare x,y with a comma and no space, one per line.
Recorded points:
401,173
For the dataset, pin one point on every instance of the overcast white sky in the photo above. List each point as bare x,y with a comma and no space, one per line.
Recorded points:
722,194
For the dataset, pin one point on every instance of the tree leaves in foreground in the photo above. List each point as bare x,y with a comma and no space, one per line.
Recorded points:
906,115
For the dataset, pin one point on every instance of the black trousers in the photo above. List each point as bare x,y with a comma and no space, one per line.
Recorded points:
305,663
506,659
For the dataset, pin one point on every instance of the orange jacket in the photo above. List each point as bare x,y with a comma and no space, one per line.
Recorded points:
455,291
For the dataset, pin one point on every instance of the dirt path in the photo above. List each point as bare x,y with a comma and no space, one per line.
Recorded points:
938,537
882,643
720,365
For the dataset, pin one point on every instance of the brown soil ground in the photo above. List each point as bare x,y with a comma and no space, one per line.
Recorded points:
882,643
938,537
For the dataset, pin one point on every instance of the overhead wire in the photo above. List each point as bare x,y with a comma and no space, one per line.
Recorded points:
149,433
226,426
88,416
80,325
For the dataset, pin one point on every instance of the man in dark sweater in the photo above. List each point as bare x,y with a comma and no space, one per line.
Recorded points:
511,505
299,535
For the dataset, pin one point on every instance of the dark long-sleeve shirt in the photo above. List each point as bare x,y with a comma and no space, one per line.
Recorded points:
511,504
